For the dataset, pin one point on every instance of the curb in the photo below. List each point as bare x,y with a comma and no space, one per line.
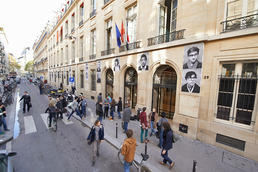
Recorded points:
6,139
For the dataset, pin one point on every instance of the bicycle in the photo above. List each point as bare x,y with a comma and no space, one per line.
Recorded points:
54,122
139,166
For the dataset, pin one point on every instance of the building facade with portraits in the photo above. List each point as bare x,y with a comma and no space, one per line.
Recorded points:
195,60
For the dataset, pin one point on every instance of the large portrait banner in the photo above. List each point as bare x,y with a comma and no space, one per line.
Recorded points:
143,62
98,72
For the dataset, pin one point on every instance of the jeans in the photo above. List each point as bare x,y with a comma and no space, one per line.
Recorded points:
112,113
166,158
119,114
152,127
40,91
125,126
106,111
146,134
83,111
24,107
4,123
77,113
161,137
100,119
95,149
127,166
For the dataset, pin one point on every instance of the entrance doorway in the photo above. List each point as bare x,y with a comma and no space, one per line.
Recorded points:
130,87
109,82
164,90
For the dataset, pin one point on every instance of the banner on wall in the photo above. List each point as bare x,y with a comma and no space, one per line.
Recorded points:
192,68
86,71
116,64
143,62
98,72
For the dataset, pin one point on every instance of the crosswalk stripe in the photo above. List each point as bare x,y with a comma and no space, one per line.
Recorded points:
29,125
66,121
44,118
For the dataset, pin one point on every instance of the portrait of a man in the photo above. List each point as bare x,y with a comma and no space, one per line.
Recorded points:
116,65
98,66
191,83
143,63
98,77
193,54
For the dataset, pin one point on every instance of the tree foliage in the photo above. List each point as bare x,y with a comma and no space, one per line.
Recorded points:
29,66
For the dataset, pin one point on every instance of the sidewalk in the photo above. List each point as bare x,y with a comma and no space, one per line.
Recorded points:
209,158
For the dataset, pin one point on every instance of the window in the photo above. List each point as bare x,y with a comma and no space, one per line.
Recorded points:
62,56
93,5
67,78
131,22
93,42
93,80
81,12
61,34
73,22
81,47
57,58
73,51
66,27
236,98
234,9
82,79
66,54
108,34
167,17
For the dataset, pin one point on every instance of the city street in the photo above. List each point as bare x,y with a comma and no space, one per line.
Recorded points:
40,149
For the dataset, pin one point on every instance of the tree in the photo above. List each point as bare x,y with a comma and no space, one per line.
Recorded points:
13,63
29,66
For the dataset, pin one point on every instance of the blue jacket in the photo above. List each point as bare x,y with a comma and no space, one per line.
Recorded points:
168,138
92,135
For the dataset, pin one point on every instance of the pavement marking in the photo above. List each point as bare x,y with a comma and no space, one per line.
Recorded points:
44,118
29,125
67,122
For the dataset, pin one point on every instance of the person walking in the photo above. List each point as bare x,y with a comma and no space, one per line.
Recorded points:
144,124
153,118
59,106
95,137
84,105
112,109
51,110
126,116
99,97
128,150
119,107
99,110
40,88
167,145
106,107
26,101
74,107
3,111
161,129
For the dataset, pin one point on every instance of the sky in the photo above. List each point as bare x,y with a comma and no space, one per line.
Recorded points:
24,20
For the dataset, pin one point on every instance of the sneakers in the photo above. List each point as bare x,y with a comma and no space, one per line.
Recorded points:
172,165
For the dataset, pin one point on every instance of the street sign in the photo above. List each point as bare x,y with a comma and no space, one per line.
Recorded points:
71,79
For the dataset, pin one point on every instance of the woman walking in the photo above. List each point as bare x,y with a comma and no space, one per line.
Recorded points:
153,118
119,107
167,145
144,124
99,110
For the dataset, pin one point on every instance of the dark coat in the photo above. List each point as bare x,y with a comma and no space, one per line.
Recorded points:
51,110
92,135
195,90
59,105
99,109
64,102
168,140
25,98
119,106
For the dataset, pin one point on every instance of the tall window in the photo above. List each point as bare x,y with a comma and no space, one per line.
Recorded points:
234,9
131,22
93,80
57,57
61,34
67,78
72,22
81,47
62,56
82,79
81,12
168,17
93,5
93,42
66,27
236,98
108,33
73,51
66,54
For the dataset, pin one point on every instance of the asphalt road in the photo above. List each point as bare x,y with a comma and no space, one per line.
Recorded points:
40,149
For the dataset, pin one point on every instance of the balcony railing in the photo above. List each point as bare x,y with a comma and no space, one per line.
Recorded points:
72,30
130,46
81,59
93,56
81,22
107,52
176,35
106,1
240,23
93,13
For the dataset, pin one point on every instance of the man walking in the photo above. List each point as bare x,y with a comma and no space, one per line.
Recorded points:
128,150
74,107
26,101
126,116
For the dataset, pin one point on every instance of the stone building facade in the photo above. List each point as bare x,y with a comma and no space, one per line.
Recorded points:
195,60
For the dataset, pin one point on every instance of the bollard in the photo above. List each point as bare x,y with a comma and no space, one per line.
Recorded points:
194,165
116,130
145,148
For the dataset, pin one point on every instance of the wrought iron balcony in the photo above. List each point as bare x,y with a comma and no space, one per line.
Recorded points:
106,1
93,56
93,13
130,46
72,30
176,35
81,22
240,23
81,59
107,52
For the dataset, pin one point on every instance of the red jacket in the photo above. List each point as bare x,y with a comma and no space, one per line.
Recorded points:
143,119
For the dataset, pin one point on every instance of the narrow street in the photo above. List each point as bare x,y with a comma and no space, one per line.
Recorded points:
40,149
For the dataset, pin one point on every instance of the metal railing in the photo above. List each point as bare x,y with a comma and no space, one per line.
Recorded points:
240,23
93,56
130,46
93,13
107,52
81,22
176,35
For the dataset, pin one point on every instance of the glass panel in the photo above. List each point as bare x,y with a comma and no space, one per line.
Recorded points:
228,70
109,82
234,9
250,69
130,90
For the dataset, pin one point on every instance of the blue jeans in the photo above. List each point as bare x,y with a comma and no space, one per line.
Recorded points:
152,127
100,119
146,134
161,137
125,126
77,113
112,113
83,113
127,166
119,114
4,123
166,158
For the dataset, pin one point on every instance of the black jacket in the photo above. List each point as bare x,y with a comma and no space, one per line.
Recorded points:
167,140
195,90
25,98
51,110
119,106
64,102
99,110
59,105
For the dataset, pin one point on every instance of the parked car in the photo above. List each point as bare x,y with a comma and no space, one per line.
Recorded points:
6,164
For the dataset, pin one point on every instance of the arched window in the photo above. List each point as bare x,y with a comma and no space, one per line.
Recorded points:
109,82
130,87
164,90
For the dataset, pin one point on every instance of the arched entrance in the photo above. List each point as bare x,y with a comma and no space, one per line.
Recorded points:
109,82
130,87
164,90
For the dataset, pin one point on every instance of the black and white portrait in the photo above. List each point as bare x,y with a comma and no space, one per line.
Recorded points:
191,82
116,64
98,77
98,72
193,55
86,71
98,66
143,60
